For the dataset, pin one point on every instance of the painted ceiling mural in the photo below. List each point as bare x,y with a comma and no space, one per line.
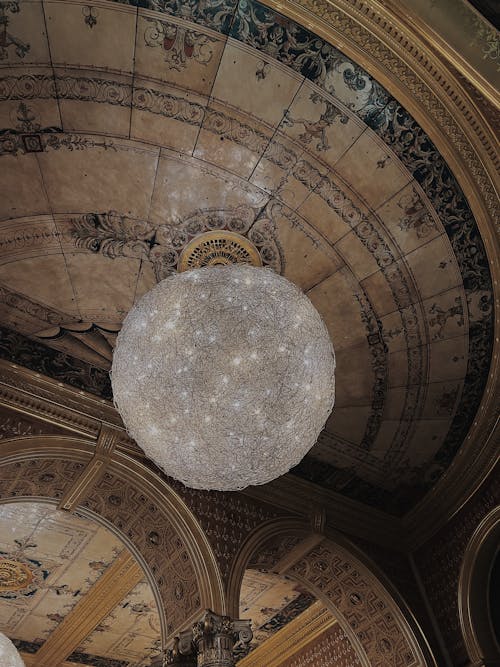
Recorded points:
126,129
50,560
54,559
271,601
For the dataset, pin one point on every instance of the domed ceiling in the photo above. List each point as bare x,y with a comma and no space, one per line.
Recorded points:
129,129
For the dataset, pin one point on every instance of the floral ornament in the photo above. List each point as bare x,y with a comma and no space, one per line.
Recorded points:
179,44
19,576
114,235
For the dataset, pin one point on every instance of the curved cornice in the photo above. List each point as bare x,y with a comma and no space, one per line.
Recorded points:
398,57
477,561
463,37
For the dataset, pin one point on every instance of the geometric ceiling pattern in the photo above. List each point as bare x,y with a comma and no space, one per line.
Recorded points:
63,556
51,560
126,129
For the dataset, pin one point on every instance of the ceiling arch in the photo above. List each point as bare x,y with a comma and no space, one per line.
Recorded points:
127,130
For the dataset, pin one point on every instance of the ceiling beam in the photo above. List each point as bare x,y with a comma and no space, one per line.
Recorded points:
108,591
291,639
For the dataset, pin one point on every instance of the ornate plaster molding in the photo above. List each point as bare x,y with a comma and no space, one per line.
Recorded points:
472,465
351,587
299,496
54,402
95,469
137,505
471,45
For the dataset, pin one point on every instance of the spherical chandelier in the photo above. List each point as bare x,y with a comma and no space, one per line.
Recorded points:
9,655
224,376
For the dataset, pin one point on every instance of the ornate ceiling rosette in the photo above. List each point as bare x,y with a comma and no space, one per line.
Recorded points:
19,577
233,117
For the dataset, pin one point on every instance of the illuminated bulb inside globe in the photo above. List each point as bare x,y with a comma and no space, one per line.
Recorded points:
224,376
9,655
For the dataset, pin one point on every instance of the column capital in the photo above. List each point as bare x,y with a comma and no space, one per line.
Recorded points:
210,643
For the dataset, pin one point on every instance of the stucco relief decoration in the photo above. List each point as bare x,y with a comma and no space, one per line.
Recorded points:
90,15
364,608
114,235
179,43
151,531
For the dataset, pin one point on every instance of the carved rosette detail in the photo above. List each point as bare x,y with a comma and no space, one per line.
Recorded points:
218,248
14,575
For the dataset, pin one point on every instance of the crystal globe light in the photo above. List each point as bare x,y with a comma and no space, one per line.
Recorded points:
224,376
9,656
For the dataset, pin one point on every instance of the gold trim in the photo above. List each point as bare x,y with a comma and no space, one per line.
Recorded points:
14,575
115,583
477,561
291,639
217,248
433,34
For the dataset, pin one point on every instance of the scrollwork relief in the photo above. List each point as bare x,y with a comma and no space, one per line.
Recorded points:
114,235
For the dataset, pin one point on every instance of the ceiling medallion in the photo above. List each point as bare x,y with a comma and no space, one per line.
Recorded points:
14,575
218,248
224,375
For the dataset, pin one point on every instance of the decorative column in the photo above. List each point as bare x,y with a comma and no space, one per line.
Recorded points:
216,637
211,643
182,653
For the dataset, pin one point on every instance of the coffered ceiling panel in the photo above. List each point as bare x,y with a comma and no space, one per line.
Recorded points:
49,562
128,130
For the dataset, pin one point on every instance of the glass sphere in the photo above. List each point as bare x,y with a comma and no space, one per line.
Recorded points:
224,376
9,655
